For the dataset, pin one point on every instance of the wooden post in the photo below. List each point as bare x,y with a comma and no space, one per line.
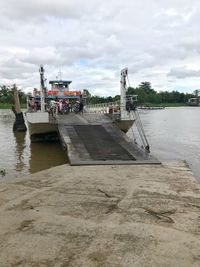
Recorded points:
16,98
19,124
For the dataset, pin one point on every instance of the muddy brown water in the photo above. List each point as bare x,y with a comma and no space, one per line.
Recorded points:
18,156
173,134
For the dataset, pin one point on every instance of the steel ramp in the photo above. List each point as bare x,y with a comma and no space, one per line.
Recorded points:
100,144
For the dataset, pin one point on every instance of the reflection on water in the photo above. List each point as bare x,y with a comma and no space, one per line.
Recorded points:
19,152
45,155
18,156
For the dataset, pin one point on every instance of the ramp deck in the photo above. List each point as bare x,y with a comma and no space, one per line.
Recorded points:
92,139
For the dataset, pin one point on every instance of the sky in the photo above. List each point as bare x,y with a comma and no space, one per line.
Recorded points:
91,41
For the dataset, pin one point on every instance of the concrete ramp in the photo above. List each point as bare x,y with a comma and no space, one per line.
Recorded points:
100,144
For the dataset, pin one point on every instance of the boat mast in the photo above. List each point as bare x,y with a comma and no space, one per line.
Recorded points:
60,75
123,112
42,88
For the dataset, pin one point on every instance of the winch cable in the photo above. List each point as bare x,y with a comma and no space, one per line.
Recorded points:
140,127
133,134
141,131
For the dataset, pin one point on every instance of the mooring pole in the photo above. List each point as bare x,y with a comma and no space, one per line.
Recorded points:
19,124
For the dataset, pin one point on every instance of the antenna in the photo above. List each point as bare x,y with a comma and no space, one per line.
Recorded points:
60,75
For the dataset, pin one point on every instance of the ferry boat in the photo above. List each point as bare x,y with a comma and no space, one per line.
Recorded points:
42,122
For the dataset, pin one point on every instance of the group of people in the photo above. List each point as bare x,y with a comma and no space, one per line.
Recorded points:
64,106
57,106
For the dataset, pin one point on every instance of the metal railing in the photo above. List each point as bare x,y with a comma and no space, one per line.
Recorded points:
103,108
112,108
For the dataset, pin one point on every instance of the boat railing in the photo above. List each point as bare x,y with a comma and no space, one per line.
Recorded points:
111,108
102,107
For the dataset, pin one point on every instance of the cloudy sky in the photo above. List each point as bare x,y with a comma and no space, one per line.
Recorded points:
91,41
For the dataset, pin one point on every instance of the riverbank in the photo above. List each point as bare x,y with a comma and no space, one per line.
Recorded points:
9,106
101,216
163,105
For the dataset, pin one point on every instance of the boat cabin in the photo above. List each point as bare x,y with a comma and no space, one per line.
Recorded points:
60,89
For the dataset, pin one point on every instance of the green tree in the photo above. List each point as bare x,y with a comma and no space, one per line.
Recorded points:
146,94
146,86
196,93
7,94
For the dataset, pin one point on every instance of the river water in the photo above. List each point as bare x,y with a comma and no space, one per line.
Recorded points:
173,134
18,156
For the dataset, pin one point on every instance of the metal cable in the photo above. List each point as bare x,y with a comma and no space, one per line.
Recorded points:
139,127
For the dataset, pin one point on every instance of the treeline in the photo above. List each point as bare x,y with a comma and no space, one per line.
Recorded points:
146,95
7,94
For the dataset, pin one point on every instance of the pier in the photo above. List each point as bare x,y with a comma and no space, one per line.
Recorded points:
94,139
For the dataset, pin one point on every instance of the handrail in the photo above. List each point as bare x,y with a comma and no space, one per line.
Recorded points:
103,108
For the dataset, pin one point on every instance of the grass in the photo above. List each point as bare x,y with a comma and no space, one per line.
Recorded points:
5,106
9,106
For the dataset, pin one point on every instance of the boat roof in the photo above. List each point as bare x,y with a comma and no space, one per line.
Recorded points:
60,82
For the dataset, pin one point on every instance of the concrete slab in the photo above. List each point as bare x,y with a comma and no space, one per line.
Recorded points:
110,216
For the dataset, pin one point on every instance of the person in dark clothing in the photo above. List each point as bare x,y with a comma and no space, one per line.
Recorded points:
81,107
81,104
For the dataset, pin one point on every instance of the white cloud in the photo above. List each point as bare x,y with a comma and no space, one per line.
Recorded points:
183,73
90,41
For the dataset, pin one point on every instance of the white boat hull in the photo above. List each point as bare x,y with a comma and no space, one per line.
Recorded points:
40,127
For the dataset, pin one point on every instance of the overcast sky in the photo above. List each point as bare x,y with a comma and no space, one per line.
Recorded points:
91,41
